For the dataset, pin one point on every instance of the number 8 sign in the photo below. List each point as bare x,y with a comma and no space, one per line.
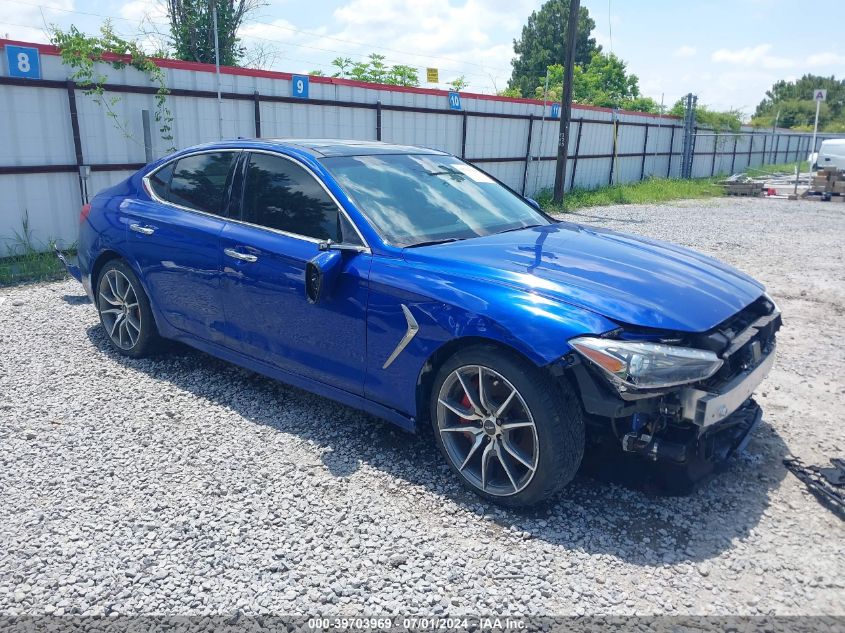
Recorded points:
299,86
23,62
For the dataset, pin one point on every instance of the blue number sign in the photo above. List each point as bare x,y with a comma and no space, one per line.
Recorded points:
299,86
555,110
454,101
23,62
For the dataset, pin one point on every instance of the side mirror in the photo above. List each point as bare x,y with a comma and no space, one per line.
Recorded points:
321,274
533,203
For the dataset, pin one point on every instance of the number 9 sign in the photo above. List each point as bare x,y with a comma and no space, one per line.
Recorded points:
299,86
23,62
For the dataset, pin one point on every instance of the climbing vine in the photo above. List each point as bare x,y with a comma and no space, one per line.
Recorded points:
82,53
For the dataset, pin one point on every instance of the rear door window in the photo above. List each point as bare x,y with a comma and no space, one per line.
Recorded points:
199,182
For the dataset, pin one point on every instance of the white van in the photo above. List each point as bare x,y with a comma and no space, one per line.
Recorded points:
831,154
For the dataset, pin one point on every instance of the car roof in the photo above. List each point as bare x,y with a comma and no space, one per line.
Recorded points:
325,147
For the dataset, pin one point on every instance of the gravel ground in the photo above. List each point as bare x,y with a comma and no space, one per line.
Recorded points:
184,485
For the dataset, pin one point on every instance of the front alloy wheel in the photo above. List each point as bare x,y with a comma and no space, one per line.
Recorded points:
511,432
487,430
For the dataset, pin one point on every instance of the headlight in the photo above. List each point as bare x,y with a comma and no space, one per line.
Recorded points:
643,365
775,307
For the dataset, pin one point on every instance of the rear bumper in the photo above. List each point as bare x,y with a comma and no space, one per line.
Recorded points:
70,264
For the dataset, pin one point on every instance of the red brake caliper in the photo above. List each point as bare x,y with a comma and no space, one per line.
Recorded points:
468,407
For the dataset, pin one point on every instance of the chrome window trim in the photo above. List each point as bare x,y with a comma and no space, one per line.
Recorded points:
323,185
149,189
363,249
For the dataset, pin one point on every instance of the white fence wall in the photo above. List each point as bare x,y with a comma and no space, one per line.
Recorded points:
39,158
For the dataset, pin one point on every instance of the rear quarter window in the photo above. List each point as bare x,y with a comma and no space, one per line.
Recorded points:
198,182
160,180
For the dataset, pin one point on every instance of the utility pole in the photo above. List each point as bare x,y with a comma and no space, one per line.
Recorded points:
772,157
542,129
566,106
819,95
217,71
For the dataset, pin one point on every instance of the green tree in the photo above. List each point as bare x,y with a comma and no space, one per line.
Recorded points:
374,70
718,120
192,28
603,82
458,83
543,44
510,92
343,65
401,75
794,101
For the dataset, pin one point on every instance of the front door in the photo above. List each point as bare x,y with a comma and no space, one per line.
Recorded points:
286,212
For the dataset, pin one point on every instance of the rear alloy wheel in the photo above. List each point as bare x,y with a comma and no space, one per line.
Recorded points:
507,429
125,310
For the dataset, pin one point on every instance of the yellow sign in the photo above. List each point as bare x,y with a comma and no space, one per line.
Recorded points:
431,76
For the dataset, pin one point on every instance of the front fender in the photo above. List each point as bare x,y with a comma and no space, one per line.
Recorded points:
447,307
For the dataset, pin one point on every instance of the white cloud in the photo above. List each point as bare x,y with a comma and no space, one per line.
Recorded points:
30,22
276,31
458,38
685,51
752,56
826,59
144,10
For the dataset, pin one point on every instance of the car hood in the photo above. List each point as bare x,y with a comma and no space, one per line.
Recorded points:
628,279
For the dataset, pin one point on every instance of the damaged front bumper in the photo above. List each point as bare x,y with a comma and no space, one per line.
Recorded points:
705,408
704,422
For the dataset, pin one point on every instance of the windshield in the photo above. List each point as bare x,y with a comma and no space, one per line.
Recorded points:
416,199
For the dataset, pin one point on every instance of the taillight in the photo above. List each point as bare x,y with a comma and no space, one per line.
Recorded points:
83,215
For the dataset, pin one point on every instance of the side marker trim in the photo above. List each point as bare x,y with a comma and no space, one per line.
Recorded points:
411,332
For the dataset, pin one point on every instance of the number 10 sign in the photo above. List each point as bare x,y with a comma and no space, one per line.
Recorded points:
23,62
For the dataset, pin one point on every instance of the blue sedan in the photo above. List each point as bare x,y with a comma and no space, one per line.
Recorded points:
416,287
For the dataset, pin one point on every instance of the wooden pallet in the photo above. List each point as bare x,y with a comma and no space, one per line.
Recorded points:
743,188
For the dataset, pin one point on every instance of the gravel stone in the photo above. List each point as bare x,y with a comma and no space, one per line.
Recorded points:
184,485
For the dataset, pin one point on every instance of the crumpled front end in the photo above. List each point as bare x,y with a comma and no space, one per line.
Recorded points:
691,424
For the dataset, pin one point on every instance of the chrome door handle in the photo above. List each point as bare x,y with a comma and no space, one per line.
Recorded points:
143,230
244,257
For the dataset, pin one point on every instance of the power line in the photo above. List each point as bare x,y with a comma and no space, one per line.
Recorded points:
310,62
384,48
292,29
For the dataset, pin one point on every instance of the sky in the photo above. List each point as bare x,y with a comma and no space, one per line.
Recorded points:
728,53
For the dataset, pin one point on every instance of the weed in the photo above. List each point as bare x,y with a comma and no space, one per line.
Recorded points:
651,190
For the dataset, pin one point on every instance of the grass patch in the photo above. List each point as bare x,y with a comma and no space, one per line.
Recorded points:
29,260
766,170
647,191
30,267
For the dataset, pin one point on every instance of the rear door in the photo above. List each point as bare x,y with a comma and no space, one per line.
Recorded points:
286,213
174,239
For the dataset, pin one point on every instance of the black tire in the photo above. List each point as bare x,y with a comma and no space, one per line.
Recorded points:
146,339
553,405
